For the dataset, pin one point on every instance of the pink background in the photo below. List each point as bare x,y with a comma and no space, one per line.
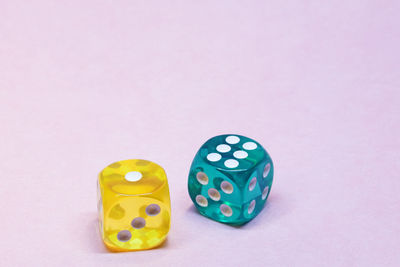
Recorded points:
87,83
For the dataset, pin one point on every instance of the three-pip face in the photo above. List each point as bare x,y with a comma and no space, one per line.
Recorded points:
230,179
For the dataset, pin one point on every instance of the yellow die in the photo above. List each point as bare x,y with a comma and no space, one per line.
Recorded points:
133,205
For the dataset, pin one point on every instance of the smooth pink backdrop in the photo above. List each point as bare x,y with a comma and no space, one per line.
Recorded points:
87,83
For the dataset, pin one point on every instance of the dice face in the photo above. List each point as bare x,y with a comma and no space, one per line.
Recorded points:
230,179
133,205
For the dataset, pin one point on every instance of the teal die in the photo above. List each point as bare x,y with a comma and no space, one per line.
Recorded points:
230,179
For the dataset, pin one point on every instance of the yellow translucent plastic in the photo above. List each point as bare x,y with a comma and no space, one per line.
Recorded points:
133,205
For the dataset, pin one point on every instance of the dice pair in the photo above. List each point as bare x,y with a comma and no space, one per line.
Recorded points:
229,181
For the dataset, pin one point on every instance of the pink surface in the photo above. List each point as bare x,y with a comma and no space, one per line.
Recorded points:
87,83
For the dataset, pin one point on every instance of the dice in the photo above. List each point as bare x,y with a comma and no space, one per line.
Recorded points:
133,205
230,179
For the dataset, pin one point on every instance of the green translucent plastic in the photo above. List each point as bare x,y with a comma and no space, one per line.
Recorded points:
230,179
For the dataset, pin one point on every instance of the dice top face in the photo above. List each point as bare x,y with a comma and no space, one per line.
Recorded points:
133,177
232,152
133,205
230,179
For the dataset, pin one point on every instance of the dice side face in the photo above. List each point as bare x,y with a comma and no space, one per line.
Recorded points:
135,209
214,193
226,180
257,188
